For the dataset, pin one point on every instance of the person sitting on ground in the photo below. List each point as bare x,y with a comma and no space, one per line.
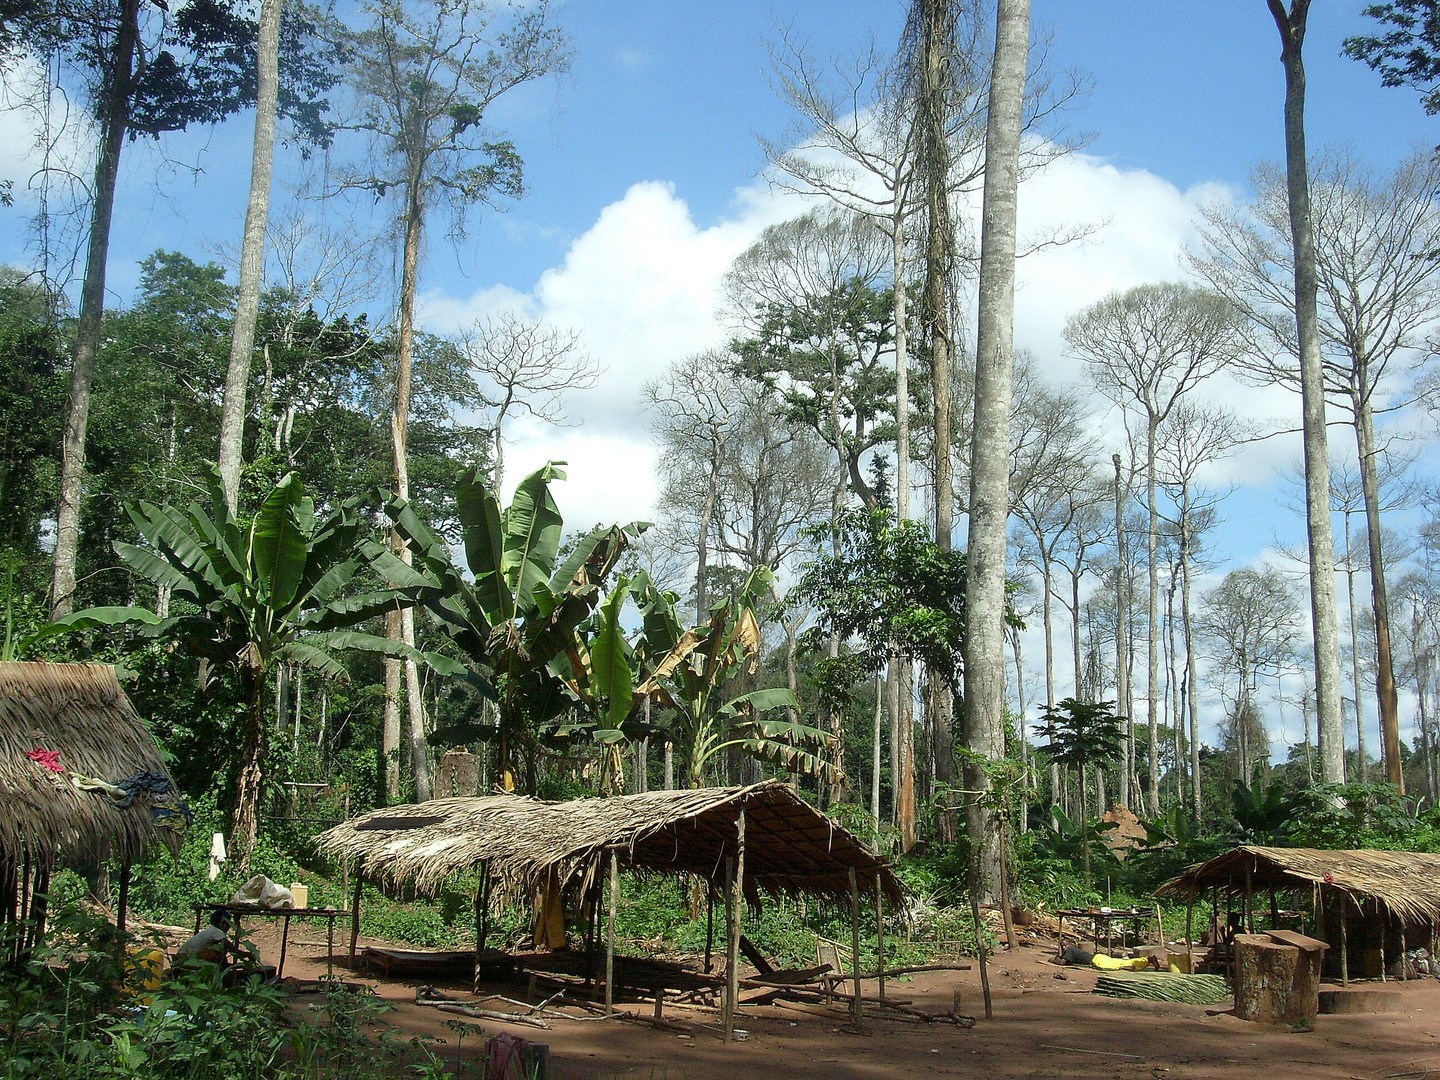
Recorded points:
212,943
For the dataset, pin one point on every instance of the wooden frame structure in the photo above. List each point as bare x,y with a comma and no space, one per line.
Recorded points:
1398,886
740,841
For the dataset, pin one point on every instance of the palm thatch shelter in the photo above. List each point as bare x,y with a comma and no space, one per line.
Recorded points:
81,781
1379,898
741,841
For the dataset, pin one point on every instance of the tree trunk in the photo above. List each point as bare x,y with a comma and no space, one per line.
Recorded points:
1385,692
415,700
990,441
114,119
1329,721
252,252
1192,697
397,626
249,783
1122,648
1362,766
1152,633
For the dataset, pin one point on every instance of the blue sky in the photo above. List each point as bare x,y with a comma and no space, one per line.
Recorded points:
645,180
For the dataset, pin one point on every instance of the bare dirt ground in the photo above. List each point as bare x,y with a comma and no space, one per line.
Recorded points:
1046,1023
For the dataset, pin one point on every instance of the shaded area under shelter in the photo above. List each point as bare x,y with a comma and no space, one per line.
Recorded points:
1369,906
740,841
81,782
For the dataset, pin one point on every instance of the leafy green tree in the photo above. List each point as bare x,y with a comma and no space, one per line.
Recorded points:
1407,51
888,589
32,404
1082,734
278,586
142,77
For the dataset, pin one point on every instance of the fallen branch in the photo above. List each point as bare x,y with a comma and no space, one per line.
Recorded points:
432,998
1097,1053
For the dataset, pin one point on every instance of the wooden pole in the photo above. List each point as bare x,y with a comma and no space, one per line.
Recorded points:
355,910
880,932
855,1007
610,933
1344,945
737,909
727,1021
122,904
710,921
482,916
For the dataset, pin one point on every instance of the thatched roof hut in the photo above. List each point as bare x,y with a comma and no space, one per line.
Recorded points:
1404,883
790,847
80,776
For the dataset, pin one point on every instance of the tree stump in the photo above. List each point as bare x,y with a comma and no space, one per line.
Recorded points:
1277,981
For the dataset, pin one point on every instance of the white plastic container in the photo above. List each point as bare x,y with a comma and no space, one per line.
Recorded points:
301,893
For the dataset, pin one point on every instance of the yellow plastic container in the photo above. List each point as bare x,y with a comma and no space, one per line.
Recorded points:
301,893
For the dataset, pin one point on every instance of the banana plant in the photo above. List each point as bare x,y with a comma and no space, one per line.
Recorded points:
690,671
280,586
520,614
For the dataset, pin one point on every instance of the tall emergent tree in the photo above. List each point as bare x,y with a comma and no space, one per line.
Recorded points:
252,249
426,74
1377,296
1326,632
990,437
1148,348
145,73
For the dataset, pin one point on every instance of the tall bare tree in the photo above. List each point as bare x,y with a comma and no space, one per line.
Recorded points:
1291,24
525,367
1376,296
425,75
252,251
1146,349
990,437
1249,622
1196,436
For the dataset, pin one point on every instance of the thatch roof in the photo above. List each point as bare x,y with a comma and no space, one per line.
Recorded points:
77,717
790,847
1407,883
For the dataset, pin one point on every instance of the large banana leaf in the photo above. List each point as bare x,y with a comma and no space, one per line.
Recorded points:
483,534
532,530
91,619
611,674
278,547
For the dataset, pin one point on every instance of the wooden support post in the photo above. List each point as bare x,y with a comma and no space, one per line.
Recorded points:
482,917
610,933
855,1006
1344,944
1189,928
1249,898
880,932
710,921
1380,922
122,904
355,911
736,908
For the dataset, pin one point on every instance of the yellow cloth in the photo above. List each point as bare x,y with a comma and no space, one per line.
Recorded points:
143,970
1111,963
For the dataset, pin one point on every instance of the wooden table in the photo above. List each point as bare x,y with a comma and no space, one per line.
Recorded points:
242,911
1103,921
